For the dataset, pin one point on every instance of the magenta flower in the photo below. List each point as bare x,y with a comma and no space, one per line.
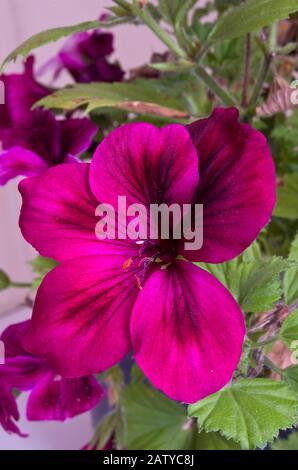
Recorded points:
41,141
21,92
84,56
9,412
108,297
52,397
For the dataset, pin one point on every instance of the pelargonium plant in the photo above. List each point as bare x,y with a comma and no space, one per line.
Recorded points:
162,204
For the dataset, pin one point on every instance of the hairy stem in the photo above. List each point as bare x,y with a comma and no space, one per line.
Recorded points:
246,72
260,344
124,4
21,285
261,79
201,74
272,366
148,19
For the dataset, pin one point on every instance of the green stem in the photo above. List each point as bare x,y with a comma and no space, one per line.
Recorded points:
146,17
209,81
202,52
261,78
21,285
246,72
272,37
124,4
272,366
260,344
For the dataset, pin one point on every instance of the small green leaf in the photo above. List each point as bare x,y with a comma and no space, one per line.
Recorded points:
251,15
5,282
289,329
172,66
255,284
169,9
45,37
250,411
41,266
291,276
287,197
153,422
104,431
291,377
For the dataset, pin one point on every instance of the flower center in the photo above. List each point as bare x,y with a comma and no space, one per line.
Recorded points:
160,251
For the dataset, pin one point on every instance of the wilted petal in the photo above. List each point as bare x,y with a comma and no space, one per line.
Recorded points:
8,410
82,313
21,370
56,398
145,164
187,332
237,184
18,161
21,92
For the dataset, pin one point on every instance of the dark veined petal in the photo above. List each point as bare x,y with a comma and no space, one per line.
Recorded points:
58,214
187,332
82,313
146,164
76,135
56,398
237,184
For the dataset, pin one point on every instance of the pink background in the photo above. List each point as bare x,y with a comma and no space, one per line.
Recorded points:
19,20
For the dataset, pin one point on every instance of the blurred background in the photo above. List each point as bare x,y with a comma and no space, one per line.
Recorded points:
133,46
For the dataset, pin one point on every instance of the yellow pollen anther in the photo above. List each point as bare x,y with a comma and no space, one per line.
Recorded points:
126,265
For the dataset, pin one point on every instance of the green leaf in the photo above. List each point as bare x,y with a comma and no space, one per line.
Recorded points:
153,422
138,97
5,282
250,411
251,15
41,266
169,9
289,330
255,284
46,37
291,443
291,276
287,197
214,441
104,431
291,377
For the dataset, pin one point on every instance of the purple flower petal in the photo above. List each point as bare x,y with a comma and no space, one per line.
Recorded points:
59,205
8,410
145,164
40,133
21,92
56,398
187,332
21,370
97,45
76,135
84,56
18,161
237,184
81,316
